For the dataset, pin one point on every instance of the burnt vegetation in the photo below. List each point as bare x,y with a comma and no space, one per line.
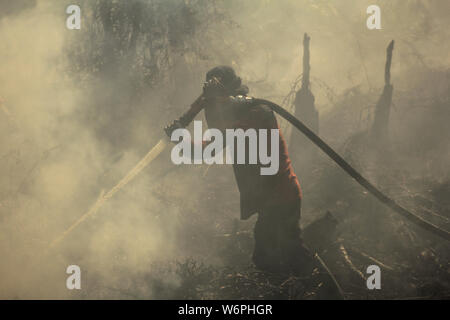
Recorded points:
161,49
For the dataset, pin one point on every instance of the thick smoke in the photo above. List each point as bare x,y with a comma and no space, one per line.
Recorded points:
73,122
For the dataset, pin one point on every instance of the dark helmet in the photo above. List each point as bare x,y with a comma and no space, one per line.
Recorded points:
230,83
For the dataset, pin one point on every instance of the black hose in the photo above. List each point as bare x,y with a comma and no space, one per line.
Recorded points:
352,172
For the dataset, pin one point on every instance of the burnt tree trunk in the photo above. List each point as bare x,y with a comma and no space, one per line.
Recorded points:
383,107
301,150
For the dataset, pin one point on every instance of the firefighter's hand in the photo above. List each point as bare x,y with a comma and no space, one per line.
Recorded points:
172,127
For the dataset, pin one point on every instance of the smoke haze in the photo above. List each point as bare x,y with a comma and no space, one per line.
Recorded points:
79,108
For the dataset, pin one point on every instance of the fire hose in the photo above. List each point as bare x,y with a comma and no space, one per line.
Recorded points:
415,219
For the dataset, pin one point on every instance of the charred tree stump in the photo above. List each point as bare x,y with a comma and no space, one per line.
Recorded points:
301,150
383,107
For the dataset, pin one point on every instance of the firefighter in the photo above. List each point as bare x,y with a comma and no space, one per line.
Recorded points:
275,198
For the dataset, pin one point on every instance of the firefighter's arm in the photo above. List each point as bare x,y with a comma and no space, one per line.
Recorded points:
187,117
182,123
210,89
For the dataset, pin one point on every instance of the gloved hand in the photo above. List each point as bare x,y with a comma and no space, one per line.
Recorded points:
172,127
186,118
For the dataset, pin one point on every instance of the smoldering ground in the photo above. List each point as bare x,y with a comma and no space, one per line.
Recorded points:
80,108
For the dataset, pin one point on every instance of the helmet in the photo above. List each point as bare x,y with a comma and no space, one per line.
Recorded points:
222,80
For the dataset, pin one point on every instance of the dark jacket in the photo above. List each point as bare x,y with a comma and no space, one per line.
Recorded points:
256,191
